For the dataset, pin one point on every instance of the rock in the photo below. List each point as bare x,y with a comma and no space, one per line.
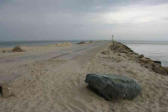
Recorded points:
5,91
158,62
17,49
105,52
140,56
145,61
154,66
3,51
82,42
113,86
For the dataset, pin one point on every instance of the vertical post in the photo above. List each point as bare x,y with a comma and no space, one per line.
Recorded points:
113,40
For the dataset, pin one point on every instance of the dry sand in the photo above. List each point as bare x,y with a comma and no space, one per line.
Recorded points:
34,49
57,85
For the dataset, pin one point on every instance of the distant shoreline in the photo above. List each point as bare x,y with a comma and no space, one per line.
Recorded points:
8,44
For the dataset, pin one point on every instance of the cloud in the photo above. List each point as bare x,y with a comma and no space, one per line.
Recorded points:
137,14
81,19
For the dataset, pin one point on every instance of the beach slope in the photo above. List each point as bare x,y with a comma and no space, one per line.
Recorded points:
56,83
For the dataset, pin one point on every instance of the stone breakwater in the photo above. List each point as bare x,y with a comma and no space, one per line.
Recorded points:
148,63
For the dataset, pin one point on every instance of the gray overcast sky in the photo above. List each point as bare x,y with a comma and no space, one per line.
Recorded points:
83,19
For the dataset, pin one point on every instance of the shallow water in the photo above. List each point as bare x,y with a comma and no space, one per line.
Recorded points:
154,51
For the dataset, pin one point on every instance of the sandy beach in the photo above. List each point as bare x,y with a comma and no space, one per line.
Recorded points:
51,79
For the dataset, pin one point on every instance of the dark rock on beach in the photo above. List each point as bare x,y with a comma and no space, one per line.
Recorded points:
113,86
105,52
5,90
82,42
17,49
140,56
3,51
158,62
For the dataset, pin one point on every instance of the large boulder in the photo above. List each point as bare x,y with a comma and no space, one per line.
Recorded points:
113,86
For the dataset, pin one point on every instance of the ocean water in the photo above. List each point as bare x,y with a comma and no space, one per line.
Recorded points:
154,50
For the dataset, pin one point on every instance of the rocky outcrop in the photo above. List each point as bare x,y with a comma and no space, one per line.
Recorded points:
148,63
113,86
119,47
